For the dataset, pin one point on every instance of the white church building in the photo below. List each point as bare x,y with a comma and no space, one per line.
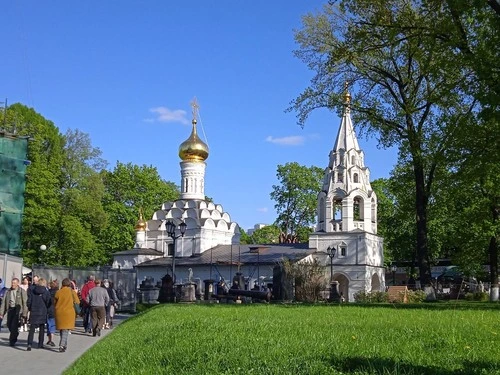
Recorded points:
210,247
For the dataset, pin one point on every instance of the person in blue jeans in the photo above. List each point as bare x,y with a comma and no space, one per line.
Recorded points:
51,318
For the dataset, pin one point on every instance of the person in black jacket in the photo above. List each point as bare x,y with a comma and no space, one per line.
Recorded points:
39,301
51,317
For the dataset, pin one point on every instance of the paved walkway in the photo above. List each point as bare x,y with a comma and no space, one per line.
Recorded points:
47,360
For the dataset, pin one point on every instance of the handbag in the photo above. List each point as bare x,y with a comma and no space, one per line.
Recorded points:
76,306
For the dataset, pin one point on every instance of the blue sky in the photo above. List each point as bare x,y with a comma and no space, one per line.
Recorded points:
125,72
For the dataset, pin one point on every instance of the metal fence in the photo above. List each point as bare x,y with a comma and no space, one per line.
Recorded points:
124,281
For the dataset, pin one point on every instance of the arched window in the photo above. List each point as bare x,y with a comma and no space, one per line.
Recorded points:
355,178
340,176
374,211
337,209
353,160
358,208
321,209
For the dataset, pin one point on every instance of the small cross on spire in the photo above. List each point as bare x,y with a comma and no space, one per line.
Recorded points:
195,108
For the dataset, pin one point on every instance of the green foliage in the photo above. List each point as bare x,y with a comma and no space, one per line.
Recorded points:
296,196
477,296
415,296
266,235
290,339
43,177
128,188
402,58
371,297
75,207
245,239
309,277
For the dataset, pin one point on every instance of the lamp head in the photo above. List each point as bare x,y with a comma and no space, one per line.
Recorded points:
182,228
331,251
170,228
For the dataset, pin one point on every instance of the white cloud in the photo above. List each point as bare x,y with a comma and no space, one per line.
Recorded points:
163,114
293,140
263,209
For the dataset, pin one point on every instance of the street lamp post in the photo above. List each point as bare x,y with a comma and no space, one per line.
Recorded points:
394,268
42,251
170,228
334,293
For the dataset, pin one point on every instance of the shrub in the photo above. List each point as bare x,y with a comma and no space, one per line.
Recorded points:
371,297
309,279
416,296
477,296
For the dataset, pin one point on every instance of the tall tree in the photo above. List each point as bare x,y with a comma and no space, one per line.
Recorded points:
128,188
402,93
42,207
267,235
296,196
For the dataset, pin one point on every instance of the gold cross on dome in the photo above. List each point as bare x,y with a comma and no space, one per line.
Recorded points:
195,107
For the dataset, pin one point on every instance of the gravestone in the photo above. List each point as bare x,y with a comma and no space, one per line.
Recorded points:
398,294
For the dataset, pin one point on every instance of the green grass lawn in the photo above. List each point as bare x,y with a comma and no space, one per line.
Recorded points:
294,339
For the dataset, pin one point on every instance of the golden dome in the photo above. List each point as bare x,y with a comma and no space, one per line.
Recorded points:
140,226
193,148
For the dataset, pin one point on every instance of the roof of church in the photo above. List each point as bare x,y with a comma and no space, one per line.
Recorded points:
196,213
139,251
238,254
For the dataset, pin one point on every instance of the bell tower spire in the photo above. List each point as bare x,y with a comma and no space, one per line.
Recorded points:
347,201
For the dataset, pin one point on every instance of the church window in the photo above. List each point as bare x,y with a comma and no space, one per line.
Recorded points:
170,250
186,185
353,160
321,213
374,211
340,176
343,251
356,178
358,208
337,209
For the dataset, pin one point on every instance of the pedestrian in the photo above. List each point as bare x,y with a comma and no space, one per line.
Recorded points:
51,317
87,287
112,305
39,301
26,285
97,299
65,299
3,290
15,306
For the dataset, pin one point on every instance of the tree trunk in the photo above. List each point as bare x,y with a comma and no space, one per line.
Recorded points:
421,217
493,253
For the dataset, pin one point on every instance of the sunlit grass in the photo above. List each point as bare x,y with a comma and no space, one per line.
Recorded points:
289,339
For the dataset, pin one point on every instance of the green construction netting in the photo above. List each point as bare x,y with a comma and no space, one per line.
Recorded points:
13,154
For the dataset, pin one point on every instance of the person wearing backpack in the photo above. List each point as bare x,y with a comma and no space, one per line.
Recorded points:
39,301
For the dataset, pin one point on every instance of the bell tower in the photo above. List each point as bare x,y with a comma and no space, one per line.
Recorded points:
347,200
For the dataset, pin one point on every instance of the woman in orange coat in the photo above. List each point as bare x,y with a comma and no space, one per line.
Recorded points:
65,311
